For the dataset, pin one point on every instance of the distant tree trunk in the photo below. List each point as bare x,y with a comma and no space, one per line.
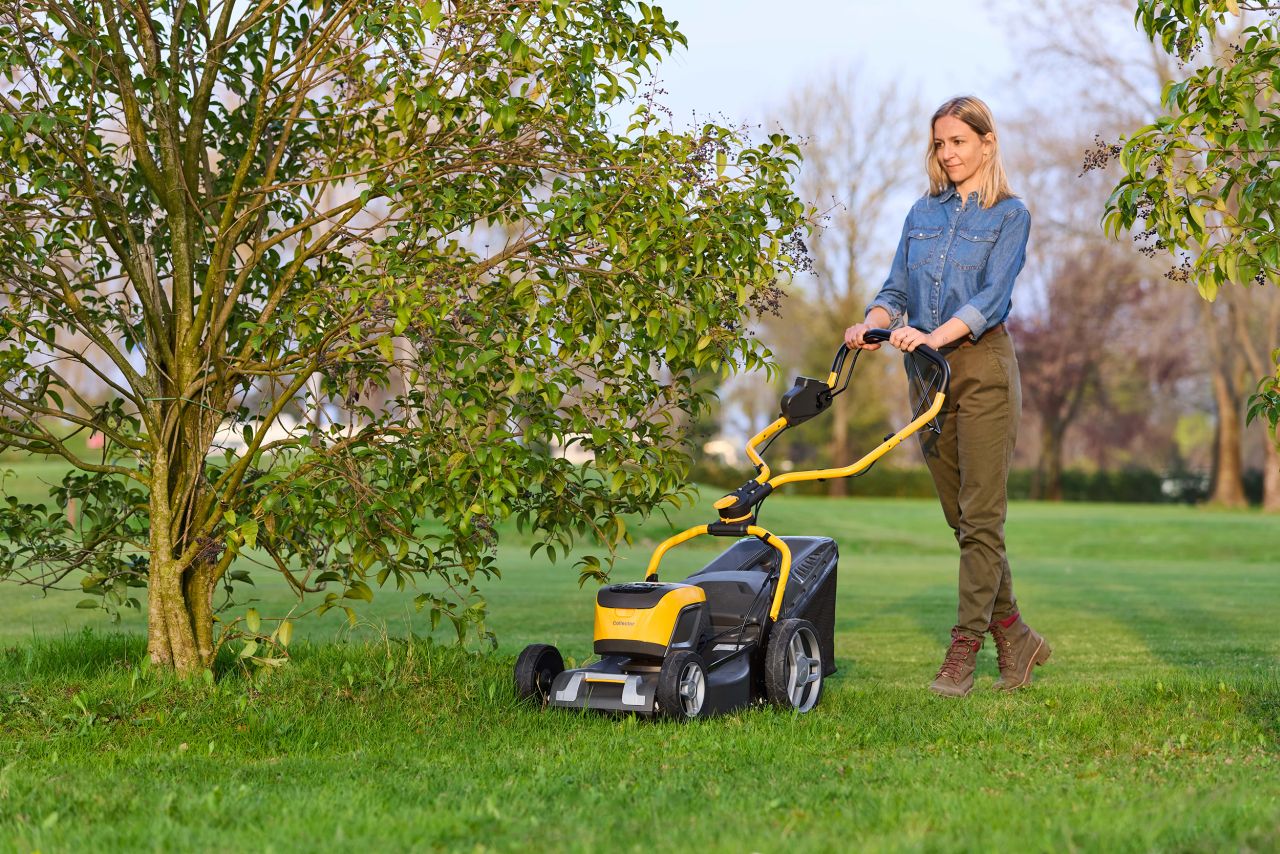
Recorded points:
1227,482
1271,473
839,487
1256,319
1228,462
1048,485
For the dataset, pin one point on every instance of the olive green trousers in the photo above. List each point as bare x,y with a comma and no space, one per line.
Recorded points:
969,460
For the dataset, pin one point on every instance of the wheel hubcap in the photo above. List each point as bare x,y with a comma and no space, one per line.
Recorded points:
692,689
804,669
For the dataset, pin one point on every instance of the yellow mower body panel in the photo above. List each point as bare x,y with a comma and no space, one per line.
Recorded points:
643,630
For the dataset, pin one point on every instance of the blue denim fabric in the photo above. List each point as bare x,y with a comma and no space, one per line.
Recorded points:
954,262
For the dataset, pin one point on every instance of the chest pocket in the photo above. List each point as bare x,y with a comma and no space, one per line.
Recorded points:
973,248
922,245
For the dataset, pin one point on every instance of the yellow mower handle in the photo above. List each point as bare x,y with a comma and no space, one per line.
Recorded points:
740,521
752,531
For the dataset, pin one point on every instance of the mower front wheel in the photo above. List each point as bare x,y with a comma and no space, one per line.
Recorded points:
536,668
682,686
793,665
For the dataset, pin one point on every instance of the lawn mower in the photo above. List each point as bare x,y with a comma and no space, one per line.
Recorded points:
758,622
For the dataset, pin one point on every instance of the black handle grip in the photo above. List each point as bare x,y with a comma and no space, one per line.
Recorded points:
877,336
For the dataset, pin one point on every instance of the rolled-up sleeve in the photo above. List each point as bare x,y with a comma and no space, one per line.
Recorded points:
893,293
988,306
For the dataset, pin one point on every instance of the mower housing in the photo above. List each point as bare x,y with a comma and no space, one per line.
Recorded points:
721,612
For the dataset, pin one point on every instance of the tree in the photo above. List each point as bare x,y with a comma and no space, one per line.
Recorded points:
251,210
1064,340
1257,315
1113,77
1077,302
1202,179
862,149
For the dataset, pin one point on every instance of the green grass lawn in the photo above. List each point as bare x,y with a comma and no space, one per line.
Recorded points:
1155,726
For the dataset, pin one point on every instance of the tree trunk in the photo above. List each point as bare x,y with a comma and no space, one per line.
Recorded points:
198,593
171,629
1255,327
1271,472
1227,480
1049,470
1228,468
157,635
839,487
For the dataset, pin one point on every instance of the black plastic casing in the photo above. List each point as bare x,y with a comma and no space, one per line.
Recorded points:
807,398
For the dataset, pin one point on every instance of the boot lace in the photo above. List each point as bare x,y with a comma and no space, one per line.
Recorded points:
961,648
1004,647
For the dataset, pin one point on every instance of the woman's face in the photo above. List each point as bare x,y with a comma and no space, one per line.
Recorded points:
959,149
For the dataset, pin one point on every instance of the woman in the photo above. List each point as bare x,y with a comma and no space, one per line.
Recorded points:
950,287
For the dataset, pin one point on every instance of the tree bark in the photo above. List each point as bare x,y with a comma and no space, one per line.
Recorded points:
1257,316
157,634
198,593
1048,485
171,635
1227,480
839,487
1228,461
1271,471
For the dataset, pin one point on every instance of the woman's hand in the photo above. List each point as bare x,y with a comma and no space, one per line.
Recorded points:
908,338
854,337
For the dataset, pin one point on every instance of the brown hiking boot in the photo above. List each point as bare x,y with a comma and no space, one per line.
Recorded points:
1019,648
955,677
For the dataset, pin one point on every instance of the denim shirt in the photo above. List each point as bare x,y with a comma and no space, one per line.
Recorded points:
954,262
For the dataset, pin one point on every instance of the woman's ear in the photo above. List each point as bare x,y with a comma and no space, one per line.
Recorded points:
988,145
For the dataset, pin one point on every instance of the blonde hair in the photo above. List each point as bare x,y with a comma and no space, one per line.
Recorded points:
993,185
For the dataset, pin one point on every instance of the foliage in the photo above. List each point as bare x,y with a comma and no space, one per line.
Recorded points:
408,228
1265,403
1205,177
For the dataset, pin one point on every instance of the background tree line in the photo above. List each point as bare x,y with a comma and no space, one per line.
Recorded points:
1132,382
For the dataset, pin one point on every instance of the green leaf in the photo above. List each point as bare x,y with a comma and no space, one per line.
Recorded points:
358,590
252,621
1197,215
403,109
249,530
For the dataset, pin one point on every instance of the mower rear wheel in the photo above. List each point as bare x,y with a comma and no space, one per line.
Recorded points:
793,665
682,686
536,668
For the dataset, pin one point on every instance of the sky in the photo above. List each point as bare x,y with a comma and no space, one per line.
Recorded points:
745,55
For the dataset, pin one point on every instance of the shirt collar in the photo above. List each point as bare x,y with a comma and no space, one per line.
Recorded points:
950,193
